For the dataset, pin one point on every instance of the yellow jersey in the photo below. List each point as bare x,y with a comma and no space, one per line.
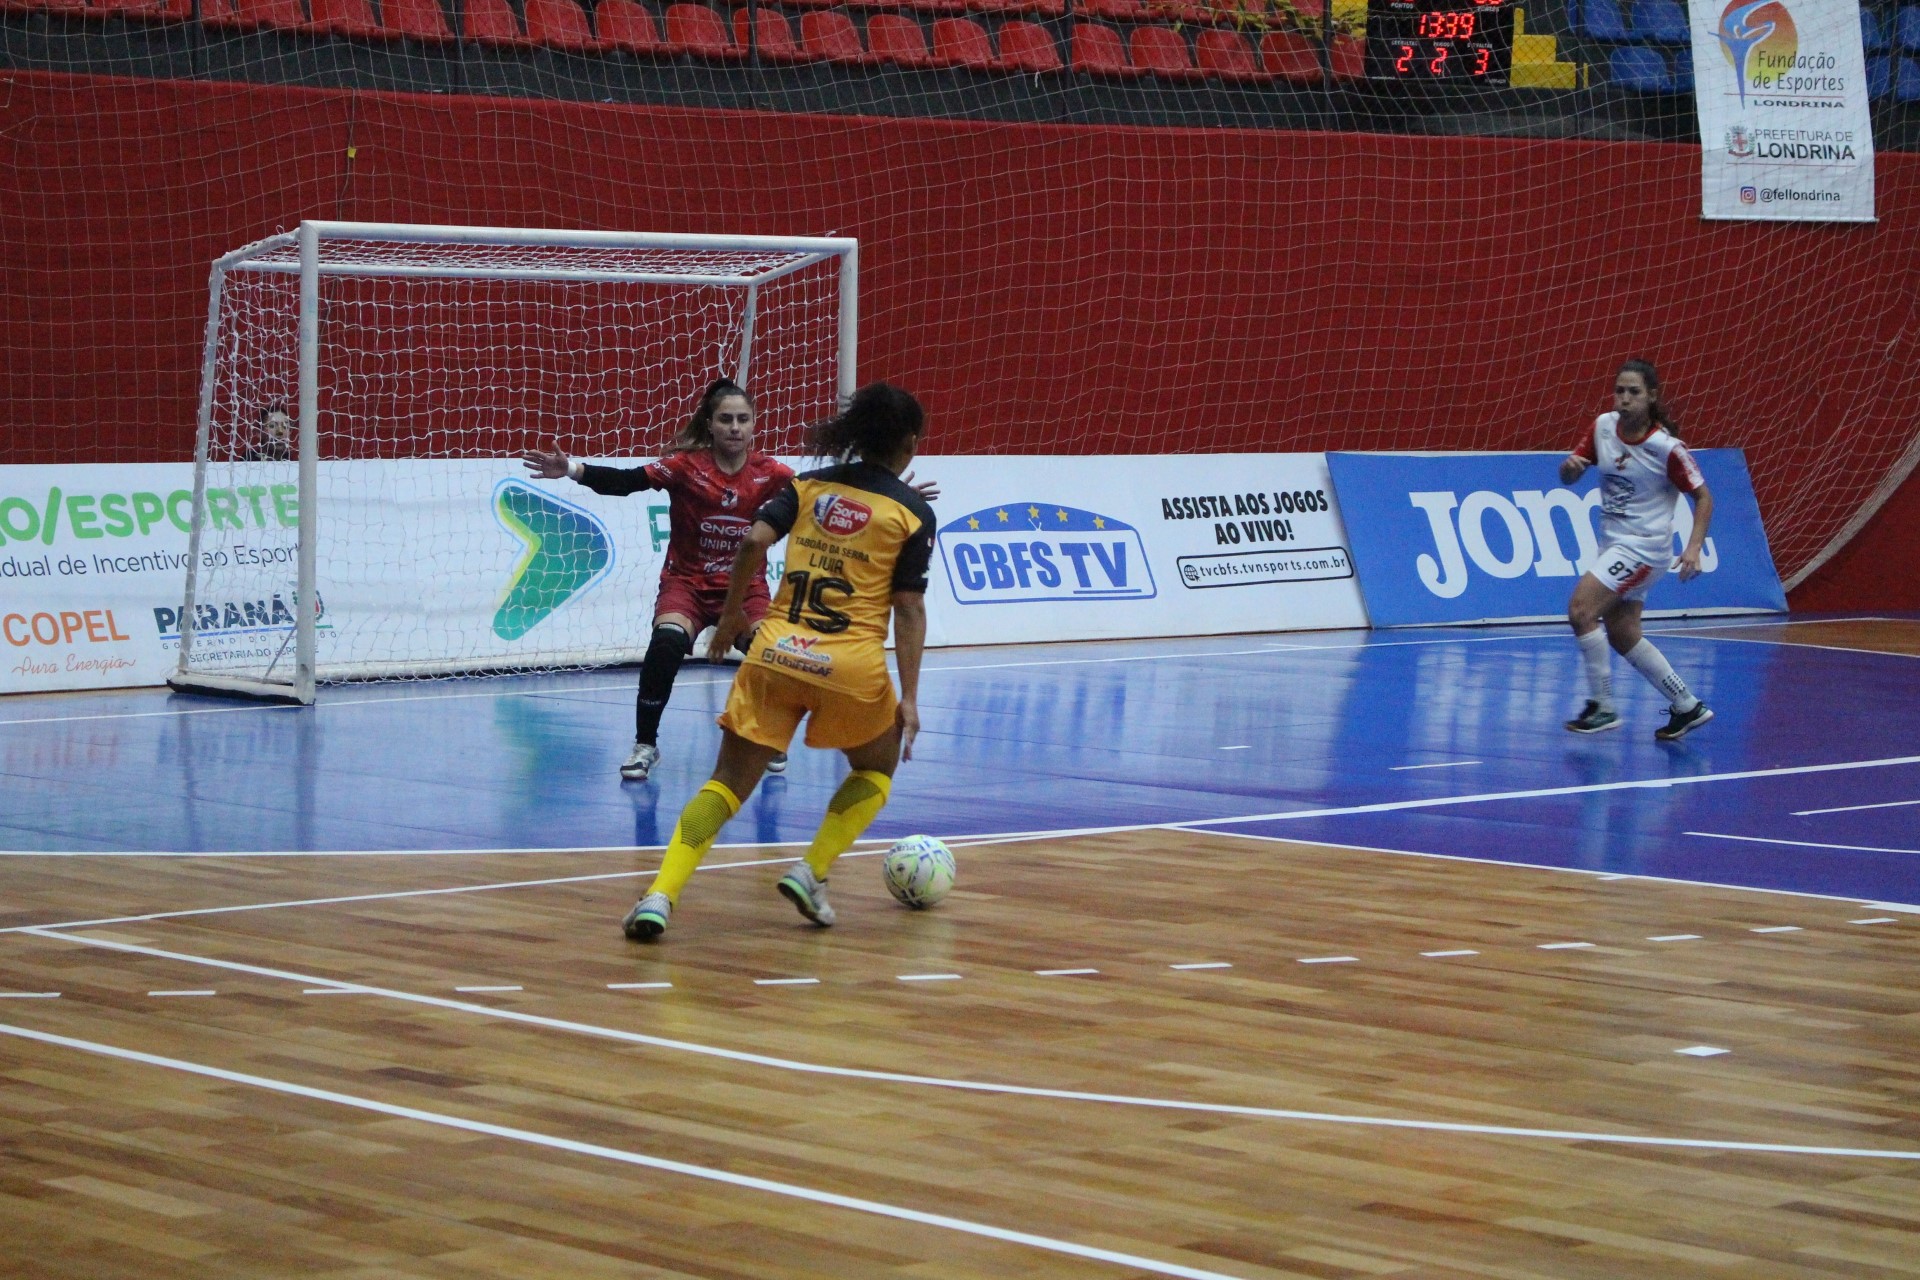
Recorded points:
855,535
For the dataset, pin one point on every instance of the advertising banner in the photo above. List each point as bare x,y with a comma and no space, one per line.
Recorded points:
1781,88
451,564
1494,537
1072,548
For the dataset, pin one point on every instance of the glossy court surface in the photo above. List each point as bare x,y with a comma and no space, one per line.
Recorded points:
1185,1015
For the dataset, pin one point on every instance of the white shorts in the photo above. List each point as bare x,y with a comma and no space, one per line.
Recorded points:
1627,571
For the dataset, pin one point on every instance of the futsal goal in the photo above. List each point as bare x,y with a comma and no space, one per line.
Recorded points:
383,527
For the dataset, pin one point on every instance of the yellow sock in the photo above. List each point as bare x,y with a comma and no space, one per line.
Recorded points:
693,835
852,809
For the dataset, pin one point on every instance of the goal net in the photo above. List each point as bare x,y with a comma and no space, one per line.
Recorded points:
359,510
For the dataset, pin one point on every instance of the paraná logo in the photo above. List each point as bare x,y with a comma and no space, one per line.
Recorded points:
840,515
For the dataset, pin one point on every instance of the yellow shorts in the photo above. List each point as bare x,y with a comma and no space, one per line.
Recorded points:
766,706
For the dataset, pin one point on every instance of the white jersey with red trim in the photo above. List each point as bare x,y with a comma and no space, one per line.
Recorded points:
1639,484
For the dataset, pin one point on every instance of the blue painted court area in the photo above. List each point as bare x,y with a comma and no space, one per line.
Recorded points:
1443,741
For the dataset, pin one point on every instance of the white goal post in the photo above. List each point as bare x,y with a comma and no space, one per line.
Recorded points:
383,527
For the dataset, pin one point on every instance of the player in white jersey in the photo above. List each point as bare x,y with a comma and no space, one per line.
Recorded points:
1643,470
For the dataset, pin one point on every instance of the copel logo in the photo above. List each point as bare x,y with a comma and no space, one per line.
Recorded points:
840,515
64,627
1526,537
1033,551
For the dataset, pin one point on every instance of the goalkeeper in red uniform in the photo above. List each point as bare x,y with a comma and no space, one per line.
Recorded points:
714,480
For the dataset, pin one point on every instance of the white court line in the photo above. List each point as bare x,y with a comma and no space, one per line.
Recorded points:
786,982
1855,808
183,993
1328,960
29,995
792,1190
1799,844
1062,973
1703,1051
481,990
638,986
1535,793
1675,937
929,977
1446,764
1563,946
1777,928
1245,746
1440,955
1203,964
980,1086
1875,920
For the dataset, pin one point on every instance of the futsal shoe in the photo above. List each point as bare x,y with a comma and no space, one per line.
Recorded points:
778,764
648,919
1682,723
807,892
1598,719
640,763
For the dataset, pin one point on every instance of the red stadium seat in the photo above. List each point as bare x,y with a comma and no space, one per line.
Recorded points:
830,34
78,7
774,42
1028,46
625,24
962,42
250,15
937,7
894,38
1163,52
413,19
493,22
698,30
1291,56
1044,8
153,10
1116,10
1225,55
344,17
559,24
1098,49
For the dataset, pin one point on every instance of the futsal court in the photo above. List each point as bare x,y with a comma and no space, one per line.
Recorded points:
1297,954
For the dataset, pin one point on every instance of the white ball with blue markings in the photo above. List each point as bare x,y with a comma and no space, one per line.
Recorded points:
918,871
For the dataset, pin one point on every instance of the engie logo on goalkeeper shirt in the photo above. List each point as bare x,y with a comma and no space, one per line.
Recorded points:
1043,551
567,552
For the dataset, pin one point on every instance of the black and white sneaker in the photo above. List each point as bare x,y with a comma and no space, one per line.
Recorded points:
639,763
1595,719
1682,723
648,919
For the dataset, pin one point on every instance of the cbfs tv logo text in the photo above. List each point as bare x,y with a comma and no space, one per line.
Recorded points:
1029,552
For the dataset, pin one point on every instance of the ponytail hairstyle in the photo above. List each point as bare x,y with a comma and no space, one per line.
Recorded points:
698,433
1657,411
876,422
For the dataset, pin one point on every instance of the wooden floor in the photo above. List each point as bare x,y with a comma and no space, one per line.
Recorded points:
1558,1010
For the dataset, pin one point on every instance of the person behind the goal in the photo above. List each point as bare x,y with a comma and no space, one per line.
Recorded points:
865,539
1643,470
714,480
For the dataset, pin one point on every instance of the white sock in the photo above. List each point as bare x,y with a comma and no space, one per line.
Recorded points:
1593,653
1652,664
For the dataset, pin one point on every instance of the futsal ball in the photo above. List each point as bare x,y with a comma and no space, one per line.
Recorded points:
919,871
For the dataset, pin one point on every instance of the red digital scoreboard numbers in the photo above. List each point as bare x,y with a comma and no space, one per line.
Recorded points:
1456,41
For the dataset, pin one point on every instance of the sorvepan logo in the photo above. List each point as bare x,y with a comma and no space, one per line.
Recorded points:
568,551
1035,551
840,515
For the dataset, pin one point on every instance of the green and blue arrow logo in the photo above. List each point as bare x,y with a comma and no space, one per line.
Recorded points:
568,551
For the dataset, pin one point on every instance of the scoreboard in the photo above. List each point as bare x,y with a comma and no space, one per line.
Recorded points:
1426,41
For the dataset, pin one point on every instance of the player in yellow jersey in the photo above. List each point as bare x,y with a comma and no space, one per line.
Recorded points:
860,543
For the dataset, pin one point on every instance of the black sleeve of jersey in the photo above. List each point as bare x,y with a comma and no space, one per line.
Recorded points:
781,510
615,481
916,557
